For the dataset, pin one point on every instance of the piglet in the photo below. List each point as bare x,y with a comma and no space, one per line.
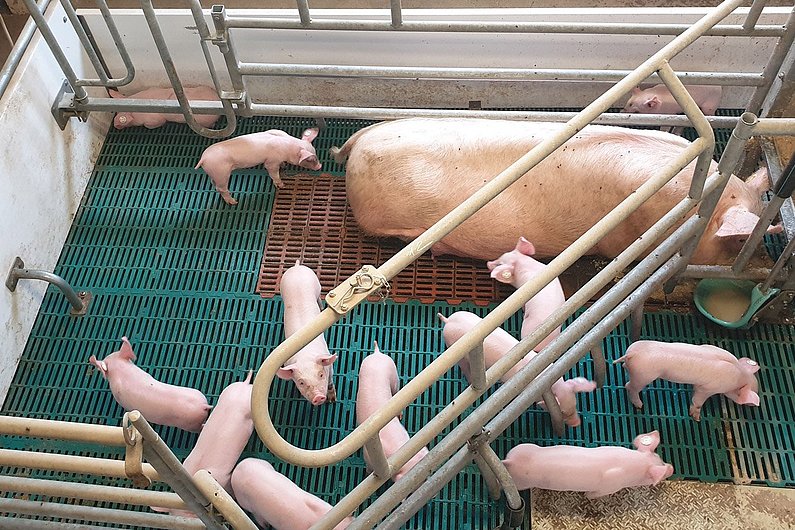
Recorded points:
271,148
496,345
159,403
598,471
311,368
152,120
659,100
711,370
518,267
378,382
275,500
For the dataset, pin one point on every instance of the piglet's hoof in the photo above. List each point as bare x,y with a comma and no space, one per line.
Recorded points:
331,393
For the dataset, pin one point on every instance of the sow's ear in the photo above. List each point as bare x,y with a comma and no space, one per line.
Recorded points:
759,181
737,222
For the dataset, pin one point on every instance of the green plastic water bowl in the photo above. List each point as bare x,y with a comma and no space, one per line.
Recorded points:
730,303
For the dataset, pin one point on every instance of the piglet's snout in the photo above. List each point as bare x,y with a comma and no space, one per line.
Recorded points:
319,399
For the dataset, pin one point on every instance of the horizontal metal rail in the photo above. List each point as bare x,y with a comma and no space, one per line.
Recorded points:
63,430
428,72
595,28
444,362
71,464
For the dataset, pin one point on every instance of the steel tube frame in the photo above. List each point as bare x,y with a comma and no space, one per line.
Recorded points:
377,457
477,368
86,42
396,13
19,49
17,523
786,254
63,430
90,513
91,492
117,40
492,484
370,484
428,72
753,241
374,423
176,84
512,498
70,463
222,501
303,11
596,28
172,472
773,65
753,14
724,271
227,48
55,48
513,398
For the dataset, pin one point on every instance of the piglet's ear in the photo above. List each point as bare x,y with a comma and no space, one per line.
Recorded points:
308,159
636,91
328,360
126,349
285,372
748,365
502,273
660,473
525,247
653,102
310,134
99,365
647,443
746,396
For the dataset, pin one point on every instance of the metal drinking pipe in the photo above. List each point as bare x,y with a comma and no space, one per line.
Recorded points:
18,50
176,84
91,492
222,501
513,398
753,14
699,122
374,113
55,48
782,48
87,45
62,430
104,515
595,28
117,40
724,271
431,72
346,447
441,420
373,424
303,12
171,471
70,463
396,13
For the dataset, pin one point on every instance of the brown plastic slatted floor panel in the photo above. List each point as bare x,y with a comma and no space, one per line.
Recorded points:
311,221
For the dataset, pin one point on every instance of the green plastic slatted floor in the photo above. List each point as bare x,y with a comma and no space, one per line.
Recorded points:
174,268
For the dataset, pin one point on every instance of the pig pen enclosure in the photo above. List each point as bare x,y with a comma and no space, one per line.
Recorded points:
157,256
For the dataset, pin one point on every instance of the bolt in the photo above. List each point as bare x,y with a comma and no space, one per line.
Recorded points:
365,268
377,282
332,294
344,307
82,294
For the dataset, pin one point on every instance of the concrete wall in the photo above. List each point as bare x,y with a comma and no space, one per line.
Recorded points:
43,173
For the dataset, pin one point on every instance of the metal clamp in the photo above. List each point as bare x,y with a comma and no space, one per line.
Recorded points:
363,283
134,454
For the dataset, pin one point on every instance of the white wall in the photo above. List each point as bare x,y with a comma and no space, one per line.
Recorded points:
718,54
43,173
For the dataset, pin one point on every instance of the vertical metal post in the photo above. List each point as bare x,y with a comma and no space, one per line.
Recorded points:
773,65
753,14
397,13
599,364
84,40
303,11
375,453
492,484
477,368
227,48
116,36
52,42
555,414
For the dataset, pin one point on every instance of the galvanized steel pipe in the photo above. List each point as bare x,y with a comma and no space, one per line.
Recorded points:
222,501
782,48
62,430
70,464
19,49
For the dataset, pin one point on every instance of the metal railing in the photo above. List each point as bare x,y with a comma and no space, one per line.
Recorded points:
197,494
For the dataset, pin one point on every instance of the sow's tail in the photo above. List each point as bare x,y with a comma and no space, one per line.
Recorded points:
340,154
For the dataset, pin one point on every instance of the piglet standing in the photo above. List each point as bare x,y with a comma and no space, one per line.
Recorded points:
598,471
275,500
378,382
711,370
311,368
152,120
496,345
271,148
518,267
159,403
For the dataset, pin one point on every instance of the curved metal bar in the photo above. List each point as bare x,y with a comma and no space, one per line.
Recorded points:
19,272
117,40
599,365
512,497
179,91
86,42
555,414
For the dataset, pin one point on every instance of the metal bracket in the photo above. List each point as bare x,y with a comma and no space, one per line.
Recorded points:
233,96
134,454
362,284
79,301
63,106
780,309
479,440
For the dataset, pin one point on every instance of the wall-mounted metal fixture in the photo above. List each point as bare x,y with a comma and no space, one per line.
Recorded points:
78,300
